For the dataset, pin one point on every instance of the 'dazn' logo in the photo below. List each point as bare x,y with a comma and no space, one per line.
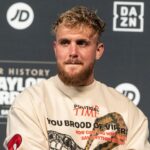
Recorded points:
128,16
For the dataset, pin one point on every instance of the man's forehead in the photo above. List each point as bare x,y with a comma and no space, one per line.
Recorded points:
82,30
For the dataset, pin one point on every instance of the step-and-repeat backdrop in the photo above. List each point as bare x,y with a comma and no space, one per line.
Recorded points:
26,53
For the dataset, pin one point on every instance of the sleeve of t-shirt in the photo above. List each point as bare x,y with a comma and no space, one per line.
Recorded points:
138,131
23,127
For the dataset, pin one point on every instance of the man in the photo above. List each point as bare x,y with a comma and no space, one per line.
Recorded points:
73,111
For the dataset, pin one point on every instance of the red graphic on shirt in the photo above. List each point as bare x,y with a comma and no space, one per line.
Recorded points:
88,111
14,142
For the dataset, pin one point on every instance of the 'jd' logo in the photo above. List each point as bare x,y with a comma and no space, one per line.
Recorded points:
129,90
20,15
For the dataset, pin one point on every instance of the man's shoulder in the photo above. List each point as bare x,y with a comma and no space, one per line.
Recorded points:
112,96
110,91
34,93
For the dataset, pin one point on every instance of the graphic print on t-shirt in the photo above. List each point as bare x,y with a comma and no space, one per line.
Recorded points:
101,132
58,141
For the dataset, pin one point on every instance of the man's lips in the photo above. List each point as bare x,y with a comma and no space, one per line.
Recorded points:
73,62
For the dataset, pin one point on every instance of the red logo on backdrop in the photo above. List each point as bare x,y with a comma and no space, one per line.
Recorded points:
14,142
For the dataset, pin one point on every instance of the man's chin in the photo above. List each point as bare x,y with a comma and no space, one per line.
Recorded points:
76,76
73,69
74,79
72,73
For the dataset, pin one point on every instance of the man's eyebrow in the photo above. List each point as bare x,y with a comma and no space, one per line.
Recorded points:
77,40
82,39
63,40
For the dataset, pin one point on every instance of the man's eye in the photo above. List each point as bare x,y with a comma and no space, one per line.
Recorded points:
82,43
64,42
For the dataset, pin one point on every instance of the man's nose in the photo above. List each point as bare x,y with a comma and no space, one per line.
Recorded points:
73,50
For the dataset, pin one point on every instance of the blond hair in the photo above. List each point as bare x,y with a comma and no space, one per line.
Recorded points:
80,16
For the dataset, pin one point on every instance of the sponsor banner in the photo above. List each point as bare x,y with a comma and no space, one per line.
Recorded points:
128,16
130,91
20,15
16,76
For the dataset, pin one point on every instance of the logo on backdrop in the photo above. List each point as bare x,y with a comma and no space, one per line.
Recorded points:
20,16
128,16
15,76
129,90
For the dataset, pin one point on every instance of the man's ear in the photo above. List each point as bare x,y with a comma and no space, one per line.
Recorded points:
99,51
54,46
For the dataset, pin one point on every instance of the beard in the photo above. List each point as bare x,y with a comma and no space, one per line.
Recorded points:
77,79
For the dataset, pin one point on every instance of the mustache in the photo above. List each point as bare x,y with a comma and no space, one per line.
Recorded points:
73,61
